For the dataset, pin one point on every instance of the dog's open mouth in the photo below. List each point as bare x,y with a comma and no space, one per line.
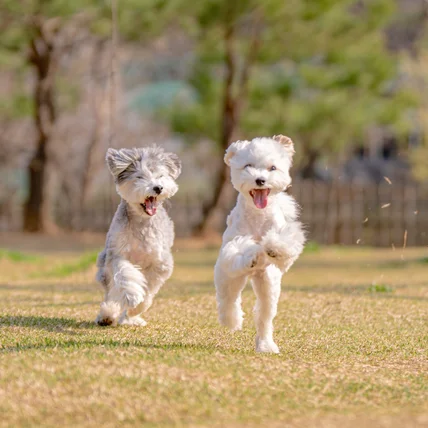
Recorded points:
260,197
150,205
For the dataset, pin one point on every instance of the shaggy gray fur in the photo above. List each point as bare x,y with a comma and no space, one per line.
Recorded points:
137,258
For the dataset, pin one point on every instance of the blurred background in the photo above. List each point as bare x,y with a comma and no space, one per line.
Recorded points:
346,80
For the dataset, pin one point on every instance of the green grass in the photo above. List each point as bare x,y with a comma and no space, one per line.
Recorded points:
18,256
62,270
352,354
312,247
380,288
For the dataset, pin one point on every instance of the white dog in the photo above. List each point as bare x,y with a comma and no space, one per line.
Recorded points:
263,237
137,258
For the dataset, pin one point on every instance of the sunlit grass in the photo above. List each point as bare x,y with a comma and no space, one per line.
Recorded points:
351,325
18,256
82,264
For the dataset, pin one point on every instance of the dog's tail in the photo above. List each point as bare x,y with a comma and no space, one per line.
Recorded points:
109,313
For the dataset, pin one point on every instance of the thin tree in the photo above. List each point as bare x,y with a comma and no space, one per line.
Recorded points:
318,71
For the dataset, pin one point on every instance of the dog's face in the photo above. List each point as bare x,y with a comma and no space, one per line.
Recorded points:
144,177
260,168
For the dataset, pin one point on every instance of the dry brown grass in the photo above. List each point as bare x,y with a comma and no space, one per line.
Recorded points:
352,327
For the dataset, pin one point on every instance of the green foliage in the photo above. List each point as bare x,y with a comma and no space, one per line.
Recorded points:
139,20
322,74
17,106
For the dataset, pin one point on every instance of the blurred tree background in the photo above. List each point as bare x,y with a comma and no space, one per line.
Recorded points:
346,79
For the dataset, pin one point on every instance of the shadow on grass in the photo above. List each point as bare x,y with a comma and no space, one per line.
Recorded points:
54,324
112,344
57,325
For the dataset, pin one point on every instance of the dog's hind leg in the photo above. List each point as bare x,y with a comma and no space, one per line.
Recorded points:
267,287
237,259
156,277
228,293
132,316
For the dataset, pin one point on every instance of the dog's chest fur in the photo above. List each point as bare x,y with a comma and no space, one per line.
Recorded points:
245,220
142,242
141,250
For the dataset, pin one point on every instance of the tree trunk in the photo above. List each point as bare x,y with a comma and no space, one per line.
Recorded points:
309,168
42,60
33,221
90,151
214,211
210,208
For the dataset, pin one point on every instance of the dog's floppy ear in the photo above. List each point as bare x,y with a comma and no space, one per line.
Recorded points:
232,150
173,164
286,142
119,160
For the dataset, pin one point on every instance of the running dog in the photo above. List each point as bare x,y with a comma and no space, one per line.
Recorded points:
137,259
263,236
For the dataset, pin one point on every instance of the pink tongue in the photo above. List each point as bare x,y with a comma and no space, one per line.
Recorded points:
150,206
260,198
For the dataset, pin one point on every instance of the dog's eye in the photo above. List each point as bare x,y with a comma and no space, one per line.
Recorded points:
139,176
273,168
248,165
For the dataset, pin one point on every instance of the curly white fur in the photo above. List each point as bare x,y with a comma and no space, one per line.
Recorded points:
263,236
137,258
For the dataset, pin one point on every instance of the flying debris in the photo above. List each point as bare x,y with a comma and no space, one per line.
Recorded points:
405,239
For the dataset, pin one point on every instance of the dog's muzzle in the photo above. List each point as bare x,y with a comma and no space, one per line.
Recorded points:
150,205
260,197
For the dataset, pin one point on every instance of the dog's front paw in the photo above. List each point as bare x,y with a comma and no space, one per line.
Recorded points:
272,253
109,313
232,321
137,320
266,346
274,248
253,257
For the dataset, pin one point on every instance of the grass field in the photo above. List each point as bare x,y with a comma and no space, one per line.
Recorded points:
352,327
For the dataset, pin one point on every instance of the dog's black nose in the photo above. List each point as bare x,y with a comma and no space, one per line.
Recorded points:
158,189
260,181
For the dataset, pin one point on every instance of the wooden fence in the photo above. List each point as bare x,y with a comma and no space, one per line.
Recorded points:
333,213
351,213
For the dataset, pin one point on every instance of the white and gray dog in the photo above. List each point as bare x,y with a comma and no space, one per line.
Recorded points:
137,258
263,236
